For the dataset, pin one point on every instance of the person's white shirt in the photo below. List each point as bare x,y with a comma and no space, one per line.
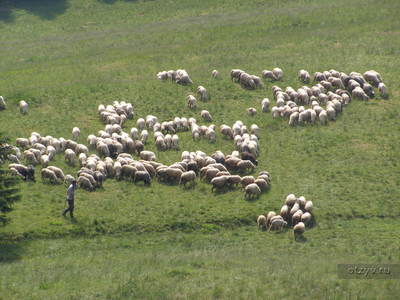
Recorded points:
70,192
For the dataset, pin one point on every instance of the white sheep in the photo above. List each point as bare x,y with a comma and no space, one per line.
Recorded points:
70,156
175,142
268,74
215,74
44,160
49,175
206,116
144,136
203,93
383,90
299,229
191,102
278,73
75,133
294,118
147,155
188,176
265,105
251,111
3,104
304,76
262,222
140,123
252,190
323,117
23,107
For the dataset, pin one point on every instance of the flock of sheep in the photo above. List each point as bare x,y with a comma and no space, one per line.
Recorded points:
296,212
116,148
333,89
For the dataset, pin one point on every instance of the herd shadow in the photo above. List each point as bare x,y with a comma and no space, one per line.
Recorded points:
45,9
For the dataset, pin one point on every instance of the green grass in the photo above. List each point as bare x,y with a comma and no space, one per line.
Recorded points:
67,57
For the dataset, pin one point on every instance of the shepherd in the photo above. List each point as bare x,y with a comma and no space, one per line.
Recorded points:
70,199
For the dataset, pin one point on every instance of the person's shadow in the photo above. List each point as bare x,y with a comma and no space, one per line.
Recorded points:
45,9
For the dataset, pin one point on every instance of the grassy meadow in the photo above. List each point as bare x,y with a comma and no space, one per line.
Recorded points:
166,242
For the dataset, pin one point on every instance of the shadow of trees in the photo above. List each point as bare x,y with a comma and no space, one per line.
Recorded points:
11,250
45,9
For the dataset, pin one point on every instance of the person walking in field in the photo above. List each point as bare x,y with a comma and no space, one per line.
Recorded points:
70,199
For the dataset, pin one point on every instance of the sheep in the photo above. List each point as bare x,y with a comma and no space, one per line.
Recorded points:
296,217
308,207
23,107
3,104
246,180
215,74
262,222
31,157
331,113
306,218
59,173
147,155
269,216
277,223
369,90
13,158
173,174
290,200
226,131
144,136
278,73
44,160
304,76
234,180
268,74
206,116
49,175
75,133
70,156
298,229
275,112
69,179
262,184
265,105
246,81
373,77
186,177
27,172
383,90
140,123
323,117
90,177
175,142
252,190
160,143
191,102
128,171
245,165
294,118
284,212
202,93
182,77
22,142
251,111
219,182
85,183
211,173
358,93
235,74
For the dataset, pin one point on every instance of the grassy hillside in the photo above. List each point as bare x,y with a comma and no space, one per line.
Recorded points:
66,57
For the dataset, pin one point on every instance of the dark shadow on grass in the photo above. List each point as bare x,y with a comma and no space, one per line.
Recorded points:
113,1
45,9
11,251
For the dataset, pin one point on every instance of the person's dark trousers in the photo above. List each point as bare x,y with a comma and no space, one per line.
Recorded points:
70,208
